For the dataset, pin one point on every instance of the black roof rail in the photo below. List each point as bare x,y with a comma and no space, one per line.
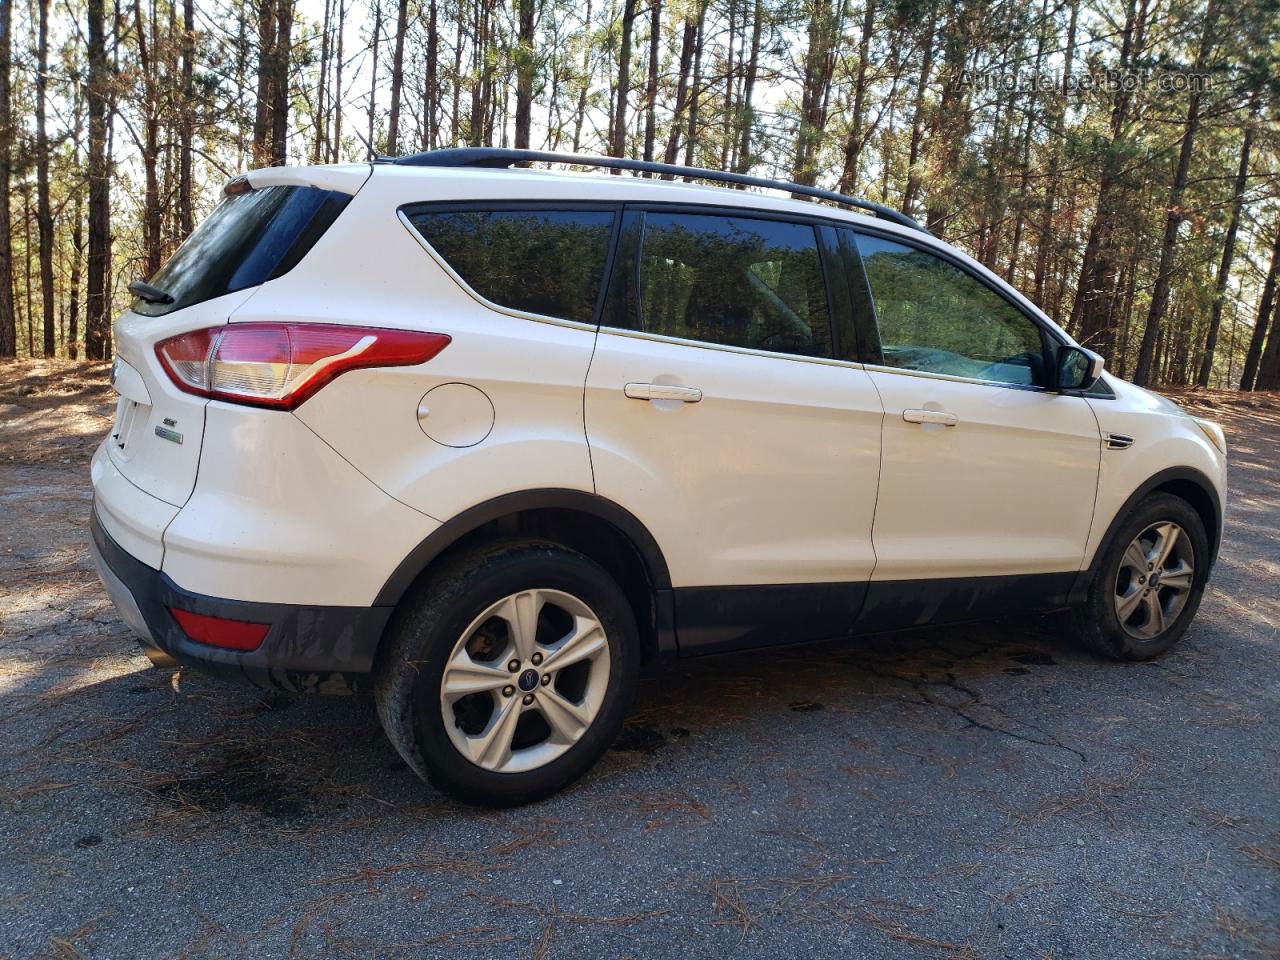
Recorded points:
501,158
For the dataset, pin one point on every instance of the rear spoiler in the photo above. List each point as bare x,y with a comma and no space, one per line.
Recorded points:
343,178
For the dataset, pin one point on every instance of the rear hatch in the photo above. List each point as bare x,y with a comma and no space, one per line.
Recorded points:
262,228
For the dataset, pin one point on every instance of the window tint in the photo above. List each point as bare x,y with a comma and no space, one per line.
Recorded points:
935,317
248,239
549,262
733,280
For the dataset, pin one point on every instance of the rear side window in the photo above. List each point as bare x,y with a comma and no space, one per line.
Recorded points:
249,238
544,261
937,318
731,280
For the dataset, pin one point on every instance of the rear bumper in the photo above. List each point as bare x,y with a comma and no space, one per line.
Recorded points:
313,649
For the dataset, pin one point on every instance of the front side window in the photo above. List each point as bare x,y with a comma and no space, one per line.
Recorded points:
250,238
733,280
937,318
544,261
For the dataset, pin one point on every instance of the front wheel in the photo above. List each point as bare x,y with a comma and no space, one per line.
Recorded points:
1149,583
508,674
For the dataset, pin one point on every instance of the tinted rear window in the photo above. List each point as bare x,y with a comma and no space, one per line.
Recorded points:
248,239
734,280
544,261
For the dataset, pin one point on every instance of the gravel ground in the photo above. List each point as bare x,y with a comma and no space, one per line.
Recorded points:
978,791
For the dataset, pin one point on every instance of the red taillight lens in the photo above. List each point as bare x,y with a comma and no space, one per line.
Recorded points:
217,632
186,359
280,365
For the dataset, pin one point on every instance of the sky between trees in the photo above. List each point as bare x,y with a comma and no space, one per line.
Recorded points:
1117,160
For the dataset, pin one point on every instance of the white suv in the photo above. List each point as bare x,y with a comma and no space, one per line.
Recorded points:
491,441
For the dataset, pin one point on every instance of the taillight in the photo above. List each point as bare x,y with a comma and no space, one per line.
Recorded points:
280,365
219,632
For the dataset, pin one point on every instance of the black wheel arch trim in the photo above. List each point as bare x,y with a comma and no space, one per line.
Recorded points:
551,498
1170,475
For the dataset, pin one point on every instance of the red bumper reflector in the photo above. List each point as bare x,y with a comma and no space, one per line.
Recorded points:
217,632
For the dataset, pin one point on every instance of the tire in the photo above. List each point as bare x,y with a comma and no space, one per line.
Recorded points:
485,594
1144,634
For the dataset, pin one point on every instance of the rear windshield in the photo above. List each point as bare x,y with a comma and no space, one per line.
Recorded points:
249,238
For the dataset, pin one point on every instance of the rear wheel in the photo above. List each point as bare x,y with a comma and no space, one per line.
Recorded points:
1149,582
508,674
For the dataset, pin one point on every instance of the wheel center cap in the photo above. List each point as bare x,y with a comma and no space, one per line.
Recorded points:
528,680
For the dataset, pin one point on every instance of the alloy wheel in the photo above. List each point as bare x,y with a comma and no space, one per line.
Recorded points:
525,680
1153,584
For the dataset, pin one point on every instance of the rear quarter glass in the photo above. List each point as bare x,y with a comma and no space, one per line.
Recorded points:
546,261
250,238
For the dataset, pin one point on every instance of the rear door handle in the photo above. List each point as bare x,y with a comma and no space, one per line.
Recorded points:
930,416
662,391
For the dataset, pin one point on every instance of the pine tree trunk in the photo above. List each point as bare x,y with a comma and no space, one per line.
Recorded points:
818,64
319,148
336,145
682,93
951,122
1160,295
280,84
456,86
96,334
731,70
397,78
580,112
475,132
746,108
77,231
152,214
8,321
77,255
44,215
1024,157
27,247
373,80
1269,367
1045,240
618,141
651,82
1253,356
695,86
186,207
856,139
1228,254
917,124
1268,377
431,93
525,63
241,76
262,125
1096,287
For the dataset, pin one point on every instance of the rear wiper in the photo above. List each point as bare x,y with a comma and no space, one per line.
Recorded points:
145,291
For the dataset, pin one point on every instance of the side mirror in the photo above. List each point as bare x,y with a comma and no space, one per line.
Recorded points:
1078,368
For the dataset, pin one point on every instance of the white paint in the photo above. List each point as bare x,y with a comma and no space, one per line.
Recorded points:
456,415
1009,489
785,470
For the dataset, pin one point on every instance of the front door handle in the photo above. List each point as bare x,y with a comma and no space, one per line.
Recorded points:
930,416
662,391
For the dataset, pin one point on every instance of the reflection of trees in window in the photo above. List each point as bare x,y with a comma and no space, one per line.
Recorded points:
933,316
735,281
549,262
243,243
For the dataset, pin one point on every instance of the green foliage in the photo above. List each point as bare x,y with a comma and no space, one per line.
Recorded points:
1021,175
